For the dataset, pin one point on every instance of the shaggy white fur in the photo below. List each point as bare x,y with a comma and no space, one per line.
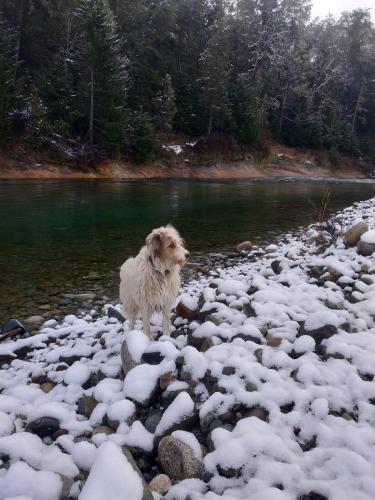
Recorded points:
150,281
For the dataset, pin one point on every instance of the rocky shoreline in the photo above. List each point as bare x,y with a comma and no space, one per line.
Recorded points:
90,294
265,388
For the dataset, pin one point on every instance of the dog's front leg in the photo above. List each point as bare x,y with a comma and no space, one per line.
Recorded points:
166,312
146,317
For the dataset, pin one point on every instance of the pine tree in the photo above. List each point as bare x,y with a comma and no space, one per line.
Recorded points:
215,68
7,80
167,106
55,78
140,137
37,129
245,112
102,73
191,36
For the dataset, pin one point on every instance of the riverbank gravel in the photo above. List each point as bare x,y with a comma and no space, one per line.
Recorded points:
267,391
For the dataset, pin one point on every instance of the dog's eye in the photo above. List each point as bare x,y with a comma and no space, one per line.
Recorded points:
172,246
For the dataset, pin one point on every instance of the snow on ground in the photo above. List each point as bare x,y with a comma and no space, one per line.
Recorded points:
176,148
278,369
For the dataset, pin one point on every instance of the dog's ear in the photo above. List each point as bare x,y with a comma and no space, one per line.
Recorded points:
154,244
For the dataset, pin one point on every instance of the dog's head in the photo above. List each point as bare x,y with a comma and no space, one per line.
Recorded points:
166,246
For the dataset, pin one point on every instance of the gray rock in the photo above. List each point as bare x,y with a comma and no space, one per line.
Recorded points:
127,361
207,344
178,459
44,426
319,334
211,317
249,310
168,397
86,405
258,353
228,473
251,387
276,266
366,245
34,321
244,246
160,483
47,386
152,357
112,312
67,483
69,360
12,326
153,419
353,234
185,422
229,370
258,412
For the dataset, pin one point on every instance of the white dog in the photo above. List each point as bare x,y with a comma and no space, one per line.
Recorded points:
151,280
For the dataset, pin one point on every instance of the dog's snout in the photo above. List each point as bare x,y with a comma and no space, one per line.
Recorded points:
187,254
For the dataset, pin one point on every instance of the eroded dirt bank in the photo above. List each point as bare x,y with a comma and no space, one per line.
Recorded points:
283,162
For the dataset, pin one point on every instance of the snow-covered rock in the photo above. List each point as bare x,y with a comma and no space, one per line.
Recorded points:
113,476
180,414
366,244
354,233
178,459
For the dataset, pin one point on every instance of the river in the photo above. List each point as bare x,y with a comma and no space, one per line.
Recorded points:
64,236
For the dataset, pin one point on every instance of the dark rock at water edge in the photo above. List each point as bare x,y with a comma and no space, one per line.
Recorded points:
12,325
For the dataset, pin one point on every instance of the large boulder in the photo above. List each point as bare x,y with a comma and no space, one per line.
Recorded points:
178,459
354,233
366,244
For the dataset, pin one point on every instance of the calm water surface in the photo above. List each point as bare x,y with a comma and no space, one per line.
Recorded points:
55,235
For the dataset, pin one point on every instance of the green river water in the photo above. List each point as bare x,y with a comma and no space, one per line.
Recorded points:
60,236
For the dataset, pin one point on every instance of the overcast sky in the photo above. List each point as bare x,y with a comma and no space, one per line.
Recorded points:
323,7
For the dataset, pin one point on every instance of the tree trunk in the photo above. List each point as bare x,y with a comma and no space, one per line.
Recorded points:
357,107
91,131
20,21
282,112
209,130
